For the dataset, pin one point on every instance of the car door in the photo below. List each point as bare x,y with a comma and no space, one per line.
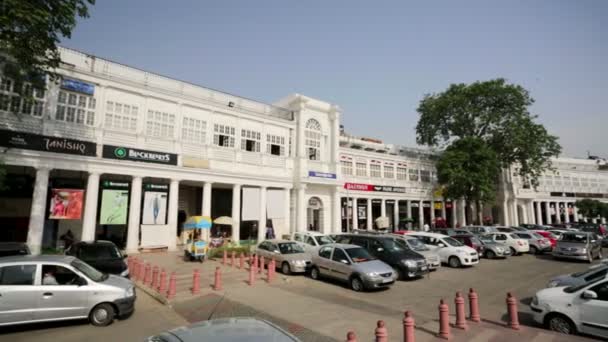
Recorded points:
18,299
594,312
340,266
323,261
64,298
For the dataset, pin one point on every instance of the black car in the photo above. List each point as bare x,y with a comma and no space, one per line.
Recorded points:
13,248
103,255
394,252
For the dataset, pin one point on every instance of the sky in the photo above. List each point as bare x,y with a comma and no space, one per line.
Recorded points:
374,59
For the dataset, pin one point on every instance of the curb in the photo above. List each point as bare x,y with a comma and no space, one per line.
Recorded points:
154,294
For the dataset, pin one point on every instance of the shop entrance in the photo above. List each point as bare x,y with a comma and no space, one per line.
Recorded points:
314,214
16,203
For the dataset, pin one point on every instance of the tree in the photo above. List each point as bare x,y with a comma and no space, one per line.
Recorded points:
468,168
591,208
495,112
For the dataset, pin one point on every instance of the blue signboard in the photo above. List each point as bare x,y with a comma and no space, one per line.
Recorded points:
78,86
321,174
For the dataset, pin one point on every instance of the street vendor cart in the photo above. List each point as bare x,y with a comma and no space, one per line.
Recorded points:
195,234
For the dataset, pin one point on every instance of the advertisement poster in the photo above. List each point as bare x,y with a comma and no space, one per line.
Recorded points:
155,208
66,204
114,204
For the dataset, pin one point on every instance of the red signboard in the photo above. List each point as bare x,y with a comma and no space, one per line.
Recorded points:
358,187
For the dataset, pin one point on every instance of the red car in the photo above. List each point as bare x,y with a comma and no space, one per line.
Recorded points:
549,236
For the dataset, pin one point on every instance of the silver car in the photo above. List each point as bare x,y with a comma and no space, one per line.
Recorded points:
54,287
578,246
289,256
493,250
352,264
538,243
432,258
579,278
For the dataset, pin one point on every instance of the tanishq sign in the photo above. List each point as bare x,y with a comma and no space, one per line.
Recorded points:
370,187
30,141
133,154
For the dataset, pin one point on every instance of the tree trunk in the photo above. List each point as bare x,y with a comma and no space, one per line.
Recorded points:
479,212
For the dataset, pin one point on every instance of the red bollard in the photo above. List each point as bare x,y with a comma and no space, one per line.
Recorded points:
172,284
140,271
135,269
163,281
408,328
218,279
474,306
130,264
512,309
196,282
261,269
232,256
241,261
444,321
461,320
155,277
351,337
380,332
225,257
254,265
273,268
251,276
148,274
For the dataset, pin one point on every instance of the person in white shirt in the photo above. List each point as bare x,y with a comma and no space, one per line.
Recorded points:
49,277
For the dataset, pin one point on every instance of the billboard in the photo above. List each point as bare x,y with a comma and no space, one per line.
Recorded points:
66,204
155,208
114,205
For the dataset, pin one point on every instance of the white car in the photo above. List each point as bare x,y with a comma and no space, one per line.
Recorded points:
311,241
451,251
582,308
517,245
480,230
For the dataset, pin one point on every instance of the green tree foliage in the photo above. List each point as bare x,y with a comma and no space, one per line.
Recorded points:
495,112
592,208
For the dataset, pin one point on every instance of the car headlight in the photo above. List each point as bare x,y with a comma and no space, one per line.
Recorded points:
373,274
299,262
130,292
499,249
409,263
124,273
535,301
583,250
552,283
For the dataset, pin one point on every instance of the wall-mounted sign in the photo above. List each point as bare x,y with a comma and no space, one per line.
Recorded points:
133,154
110,184
370,187
114,204
66,204
155,204
321,174
448,205
438,205
156,187
29,141
77,86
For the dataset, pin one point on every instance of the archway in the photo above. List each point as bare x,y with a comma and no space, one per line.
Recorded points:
314,215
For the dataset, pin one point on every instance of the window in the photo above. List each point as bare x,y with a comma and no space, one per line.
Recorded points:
223,135
401,173
501,237
601,290
31,101
374,170
425,176
312,135
250,140
325,252
264,245
58,275
310,241
121,116
413,175
17,275
160,124
75,108
194,130
347,167
361,169
389,171
339,255
275,145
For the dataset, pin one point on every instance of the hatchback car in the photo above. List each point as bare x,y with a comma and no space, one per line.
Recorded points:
579,278
538,243
288,255
451,251
54,287
578,246
517,245
478,230
352,264
548,235
493,250
311,240
103,255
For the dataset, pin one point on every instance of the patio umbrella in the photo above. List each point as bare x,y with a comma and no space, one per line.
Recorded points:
227,220
197,222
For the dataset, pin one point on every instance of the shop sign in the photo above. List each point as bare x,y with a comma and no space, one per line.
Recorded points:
426,204
448,205
196,163
134,154
390,201
77,86
36,142
370,187
414,204
321,174
156,187
109,184
438,205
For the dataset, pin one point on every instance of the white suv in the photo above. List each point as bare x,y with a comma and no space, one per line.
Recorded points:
517,245
311,241
451,251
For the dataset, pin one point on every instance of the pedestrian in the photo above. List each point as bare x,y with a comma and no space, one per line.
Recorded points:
426,227
269,230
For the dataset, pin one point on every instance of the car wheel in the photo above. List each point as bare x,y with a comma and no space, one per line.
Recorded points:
454,262
356,284
490,255
561,324
400,274
533,250
314,273
102,315
285,268
513,251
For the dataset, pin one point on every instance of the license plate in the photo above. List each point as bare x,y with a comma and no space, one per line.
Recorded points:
473,260
389,280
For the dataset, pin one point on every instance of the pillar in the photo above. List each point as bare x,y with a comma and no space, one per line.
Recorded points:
539,213
575,209
236,213
566,214
287,200
444,212
207,199
409,208
432,223
396,216
134,215
355,222
370,223
172,212
454,208
301,209
420,216
336,225
558,213
505,210
548,212
383,208
463,212
38,211
516,218
89,222
524,213
262,221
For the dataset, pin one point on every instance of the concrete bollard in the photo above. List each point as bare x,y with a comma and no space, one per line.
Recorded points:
461,320
241,261
444,321
380,332
172,284
140,271
474,306
251,276
135,269
155,277
130,264
163,282
408,328
255,264
512,310
232,257
148,274
196,282
273,268
351,337
261,269
218,279
224,257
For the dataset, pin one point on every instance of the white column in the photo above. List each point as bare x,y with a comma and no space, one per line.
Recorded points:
383,208
420,215
90,208
524,213
301,209
566,214
337,215
539,213
289,229
370,222
515,221
134,215
454,211
38,211
207,199
396,216
173,207
409,209
432,212
558,213
355,222
336,136
548,212
575,209
463,212
236,213
262,221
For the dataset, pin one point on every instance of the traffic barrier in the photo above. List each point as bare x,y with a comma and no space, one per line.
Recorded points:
512,310
251,276
408,328
241,261
232,255
444,321
154,277
461,321
163,281
380,332
148,274
224,257
172,284
196,282
474,306
273,268
351,337
255,264
218,279
261,269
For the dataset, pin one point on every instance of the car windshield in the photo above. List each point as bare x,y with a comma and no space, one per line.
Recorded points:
453,242
486,239
571,289
358,254
514,236
588,272
324,240
417,245
89,271
290,248
537,236
573,237
475,240
393,245
94,252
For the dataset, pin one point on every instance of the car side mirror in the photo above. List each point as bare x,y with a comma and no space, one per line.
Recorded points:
440,245
588,294
344,261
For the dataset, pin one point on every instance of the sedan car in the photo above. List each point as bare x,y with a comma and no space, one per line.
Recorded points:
289,256
103,255
493,250
432,258
13,248
538,243
517,245
579,278
578,246
451,251
352,264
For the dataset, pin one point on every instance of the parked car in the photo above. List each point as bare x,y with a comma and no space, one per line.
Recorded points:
13,248
405,261
352,264
289,256
558,233
574,309
226,329
598,229
538,243
578,246
103,255
471,241
548,235
451,251
58,287
579,278
506,229
432,258
311,240
493,250
518,229
517,245
478,230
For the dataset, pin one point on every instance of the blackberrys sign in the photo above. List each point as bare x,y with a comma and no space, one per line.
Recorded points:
133,154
